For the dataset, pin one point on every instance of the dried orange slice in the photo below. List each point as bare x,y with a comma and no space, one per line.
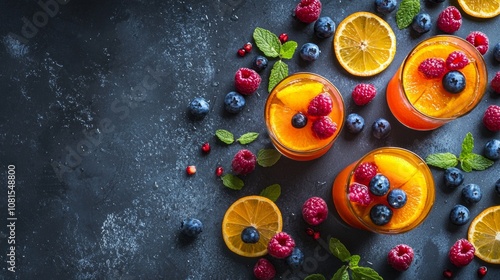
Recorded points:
481,8
484,234
364,44
256,211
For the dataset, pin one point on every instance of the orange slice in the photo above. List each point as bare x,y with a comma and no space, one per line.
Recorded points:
481,8
484,234
256,211
297,96
364,44
397,169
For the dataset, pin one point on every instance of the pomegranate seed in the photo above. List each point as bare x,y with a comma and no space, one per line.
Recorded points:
481,271
218,171
247,47
316,235
447,273
283,37
242,52
310,231
205,147
191,169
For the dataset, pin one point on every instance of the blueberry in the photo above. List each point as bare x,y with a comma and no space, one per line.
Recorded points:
198,108
259,63
471,193
497,187
381,128
191,227
492,149
385,6
454,81
453,177
309,52
396,198
250,235
234,102
379,185
354,123
459,215
496,52
324,27
422,23
299,120
380,214
296,259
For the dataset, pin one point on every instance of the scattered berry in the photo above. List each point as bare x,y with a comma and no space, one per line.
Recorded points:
481,271
299,120
454,81
396,198
453,177
359,193
259,63
314,211
447,274
422,23
219,171
324,27
449,20
461,253
309,52
492,149
296,259
380,214
247,47
432,67
250,235
491,118
310,231
385,6
247,81
198,108
471,193
205,147
365,172
496,52
316,235
264,270
379,185
191,227
321,105
459,215
381,128
234,102
362,94
283,38
281,245
479,40
354,123
243,162
456,60
495,83
191,170
308,11
241,52
400,257
323,127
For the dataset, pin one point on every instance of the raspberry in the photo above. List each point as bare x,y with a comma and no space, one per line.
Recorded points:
479,40
432,67
362,94
360,194
324,127
461,253
491,118
247,81
243,162
321,105
365,172
449,20
456,60
281,245
495,83
308,11
315,211
400,257
264,270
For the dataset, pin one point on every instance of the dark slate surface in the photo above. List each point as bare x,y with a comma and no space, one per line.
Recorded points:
93,116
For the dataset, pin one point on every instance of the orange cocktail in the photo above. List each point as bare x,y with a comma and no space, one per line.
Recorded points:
422,103
405,172
295,130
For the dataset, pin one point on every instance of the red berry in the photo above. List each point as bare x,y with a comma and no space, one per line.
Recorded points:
246,81
400,257
481,271
447,274
242,52
281,245
491,118
218,171
205,147
362,94
323,127
479,40
243,162
264,270
321,105
495,83
365,172
360,194
316,235
283,38
308,11
449,20
247,47
456,60
432,67
461,253
314,211
310,231
191,170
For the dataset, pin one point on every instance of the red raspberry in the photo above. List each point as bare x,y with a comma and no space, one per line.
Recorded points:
315,211
400,257
324,127
449,20
321,105
365,172
283,38
461,253
247,81
491,118
362,94
264,270
432,67
281,245
308,11
457,60
495,83
479,40
243,162
360,194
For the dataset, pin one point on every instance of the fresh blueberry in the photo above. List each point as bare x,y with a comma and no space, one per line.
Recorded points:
422,23
309,52
436,1
496,52
296,259
234,102
198,108
259,63
385,6
459,215
453,177
471,193
299,120
381,128
379,185
454,81
492,149
191,227
396,198
354,123
497,187
250,235
380,214
324,27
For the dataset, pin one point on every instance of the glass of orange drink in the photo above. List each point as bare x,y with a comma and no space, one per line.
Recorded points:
304,114
389,190
421,102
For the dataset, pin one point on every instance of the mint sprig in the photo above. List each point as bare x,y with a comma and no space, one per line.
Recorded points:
228,138
407,10
272,192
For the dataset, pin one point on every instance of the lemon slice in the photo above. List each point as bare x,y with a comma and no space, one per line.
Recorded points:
484,234
481,8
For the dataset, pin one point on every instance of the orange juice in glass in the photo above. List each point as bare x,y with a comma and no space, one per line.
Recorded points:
358,202
423,103
298,128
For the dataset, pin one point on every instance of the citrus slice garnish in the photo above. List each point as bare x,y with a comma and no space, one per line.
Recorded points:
364,44
397,169
484,234
481,8
297,96
256,211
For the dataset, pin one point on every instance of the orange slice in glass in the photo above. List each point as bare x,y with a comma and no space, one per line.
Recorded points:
484,234
481,8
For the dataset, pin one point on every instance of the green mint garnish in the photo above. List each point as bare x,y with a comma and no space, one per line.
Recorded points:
232,182
267,157
442,160
407,10
288,49
339,250
365,273
248,138
341,273
267,42
272,192
224,136
278,73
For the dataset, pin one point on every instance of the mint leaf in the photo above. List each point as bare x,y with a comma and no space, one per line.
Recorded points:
278,73
288,49
248,138
224,136
442,160
272,192
232,182
341,274
267,42
475,162
407,10
267,157
315,277
467,145
339,250
365,273
354,261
